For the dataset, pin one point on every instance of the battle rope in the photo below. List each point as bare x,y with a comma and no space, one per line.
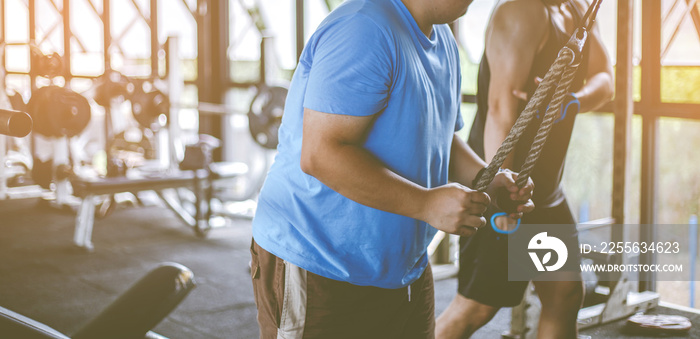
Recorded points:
558,79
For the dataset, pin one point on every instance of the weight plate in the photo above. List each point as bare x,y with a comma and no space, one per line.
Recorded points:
37,107
71,112
265,115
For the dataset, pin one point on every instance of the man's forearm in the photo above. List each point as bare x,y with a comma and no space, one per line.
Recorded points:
356,174
464,163
595,93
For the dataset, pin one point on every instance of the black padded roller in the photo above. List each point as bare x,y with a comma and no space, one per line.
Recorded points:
142,306
15,123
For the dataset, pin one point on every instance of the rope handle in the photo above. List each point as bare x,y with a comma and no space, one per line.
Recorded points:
550,83
558,79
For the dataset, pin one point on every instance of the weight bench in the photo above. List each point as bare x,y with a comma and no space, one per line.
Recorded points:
199,181
132,315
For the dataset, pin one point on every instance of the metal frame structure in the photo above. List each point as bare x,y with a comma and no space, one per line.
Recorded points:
111,42
212,25
651,108
212,62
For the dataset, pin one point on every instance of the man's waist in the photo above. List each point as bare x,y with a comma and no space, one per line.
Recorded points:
352,264
546,198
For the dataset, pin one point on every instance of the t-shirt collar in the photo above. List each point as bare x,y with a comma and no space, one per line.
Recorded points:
408,18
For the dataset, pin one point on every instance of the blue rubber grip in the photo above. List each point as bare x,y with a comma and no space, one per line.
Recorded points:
573,100
566,107
498,230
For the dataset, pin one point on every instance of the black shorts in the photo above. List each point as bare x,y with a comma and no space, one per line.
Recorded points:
483,258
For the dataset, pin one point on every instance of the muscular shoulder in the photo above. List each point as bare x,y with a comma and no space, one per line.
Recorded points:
521,18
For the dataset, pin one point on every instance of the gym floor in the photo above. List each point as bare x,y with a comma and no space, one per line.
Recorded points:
45,277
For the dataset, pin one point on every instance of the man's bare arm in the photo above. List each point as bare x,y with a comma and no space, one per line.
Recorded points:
464,162
332,152
513,37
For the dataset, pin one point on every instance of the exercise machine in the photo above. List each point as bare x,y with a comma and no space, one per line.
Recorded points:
132,315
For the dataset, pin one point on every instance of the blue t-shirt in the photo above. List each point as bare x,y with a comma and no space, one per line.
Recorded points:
368,57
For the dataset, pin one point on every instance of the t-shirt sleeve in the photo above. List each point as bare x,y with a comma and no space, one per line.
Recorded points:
351,68
459,123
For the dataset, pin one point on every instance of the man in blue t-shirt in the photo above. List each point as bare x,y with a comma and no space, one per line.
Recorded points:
368,170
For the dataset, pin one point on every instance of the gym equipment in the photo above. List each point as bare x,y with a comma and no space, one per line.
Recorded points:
135,141
48,66
658,324
132,315
199,155
88,189
58,112
621,298
265,115
63,172
498,230
42,173
17,102
112,85
590,283
15,123
621,301
609,297
17,170
72,113
36,108
150,106
116,168
556,83
165,184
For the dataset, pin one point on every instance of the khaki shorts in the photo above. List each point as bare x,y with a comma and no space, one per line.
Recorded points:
295,303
